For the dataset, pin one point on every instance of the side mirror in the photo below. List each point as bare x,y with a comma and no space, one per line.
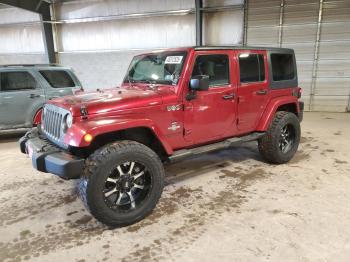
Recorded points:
199,83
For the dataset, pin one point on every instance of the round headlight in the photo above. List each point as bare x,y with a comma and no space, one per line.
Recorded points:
43,115
69,120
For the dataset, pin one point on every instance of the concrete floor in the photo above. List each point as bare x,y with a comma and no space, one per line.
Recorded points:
224,206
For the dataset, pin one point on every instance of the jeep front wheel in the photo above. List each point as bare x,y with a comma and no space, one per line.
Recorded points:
122,183
281,140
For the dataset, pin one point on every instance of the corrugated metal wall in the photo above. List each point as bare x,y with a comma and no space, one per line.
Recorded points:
110,32
100,51
319,32
21,38
98,38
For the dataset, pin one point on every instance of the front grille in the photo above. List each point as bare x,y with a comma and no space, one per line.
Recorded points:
52,122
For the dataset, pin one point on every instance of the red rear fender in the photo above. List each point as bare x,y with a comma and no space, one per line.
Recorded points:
271,109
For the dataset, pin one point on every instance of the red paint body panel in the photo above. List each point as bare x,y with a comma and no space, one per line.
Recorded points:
209,117
111,100
205,119
37,117
271,108
98,126
251,105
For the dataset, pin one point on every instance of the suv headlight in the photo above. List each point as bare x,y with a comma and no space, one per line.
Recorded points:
67,122
43,115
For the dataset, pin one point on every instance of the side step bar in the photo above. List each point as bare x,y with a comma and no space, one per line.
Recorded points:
184,153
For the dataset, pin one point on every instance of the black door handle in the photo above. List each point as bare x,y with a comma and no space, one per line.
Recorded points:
261,92
229,96
33,96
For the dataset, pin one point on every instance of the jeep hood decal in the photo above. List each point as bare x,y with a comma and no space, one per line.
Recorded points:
110,100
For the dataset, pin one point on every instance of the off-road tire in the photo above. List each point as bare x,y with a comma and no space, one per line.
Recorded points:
96,171
269,143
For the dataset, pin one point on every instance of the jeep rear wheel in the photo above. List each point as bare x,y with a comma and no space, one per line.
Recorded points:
122,183
281,140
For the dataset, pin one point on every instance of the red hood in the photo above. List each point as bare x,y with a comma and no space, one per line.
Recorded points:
113,99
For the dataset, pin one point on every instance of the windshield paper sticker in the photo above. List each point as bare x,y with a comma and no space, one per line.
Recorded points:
173,59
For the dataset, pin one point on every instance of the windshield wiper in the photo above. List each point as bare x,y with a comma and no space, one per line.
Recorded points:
147,81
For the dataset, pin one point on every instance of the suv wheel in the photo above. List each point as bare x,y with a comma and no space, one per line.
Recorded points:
281,140
122,183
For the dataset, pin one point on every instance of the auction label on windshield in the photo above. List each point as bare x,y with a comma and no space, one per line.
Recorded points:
173,59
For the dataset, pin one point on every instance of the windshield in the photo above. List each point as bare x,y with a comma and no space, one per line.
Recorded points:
157,68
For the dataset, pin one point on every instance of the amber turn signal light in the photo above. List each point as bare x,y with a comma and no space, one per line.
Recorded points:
88,138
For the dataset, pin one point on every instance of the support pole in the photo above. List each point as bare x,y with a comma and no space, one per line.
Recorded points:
48,34
245,23
199,22
280,31
316,53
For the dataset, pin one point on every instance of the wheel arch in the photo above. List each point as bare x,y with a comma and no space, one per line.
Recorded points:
140,134
37,117
276,105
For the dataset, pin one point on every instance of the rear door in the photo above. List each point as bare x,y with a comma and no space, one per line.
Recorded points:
211,114
253,88
21,97
58,82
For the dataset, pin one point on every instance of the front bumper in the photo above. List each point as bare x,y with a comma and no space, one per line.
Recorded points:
48,158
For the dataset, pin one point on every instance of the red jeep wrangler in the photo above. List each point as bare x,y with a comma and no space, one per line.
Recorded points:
172,104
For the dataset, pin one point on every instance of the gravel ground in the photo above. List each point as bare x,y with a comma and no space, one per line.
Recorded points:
222,206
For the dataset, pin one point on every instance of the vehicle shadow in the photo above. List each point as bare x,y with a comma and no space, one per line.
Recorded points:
216,160
11,137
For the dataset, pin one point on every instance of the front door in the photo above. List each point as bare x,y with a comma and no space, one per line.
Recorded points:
253,88
211,115
21,97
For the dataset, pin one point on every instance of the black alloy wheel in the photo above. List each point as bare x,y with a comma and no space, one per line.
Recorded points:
122,183
287,138
127,186
281,140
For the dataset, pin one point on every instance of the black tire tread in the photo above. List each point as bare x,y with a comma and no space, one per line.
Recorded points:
267,144
95,160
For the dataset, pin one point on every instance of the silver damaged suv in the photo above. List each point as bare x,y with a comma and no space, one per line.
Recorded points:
24,89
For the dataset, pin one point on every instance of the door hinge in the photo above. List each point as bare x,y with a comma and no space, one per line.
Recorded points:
237,99
237,121
187,132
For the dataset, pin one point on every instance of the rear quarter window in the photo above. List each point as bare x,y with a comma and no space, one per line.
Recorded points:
282,67
58,78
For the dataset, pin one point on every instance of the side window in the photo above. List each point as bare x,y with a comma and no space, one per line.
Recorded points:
282,67
214,66
251,67
11,81
58,78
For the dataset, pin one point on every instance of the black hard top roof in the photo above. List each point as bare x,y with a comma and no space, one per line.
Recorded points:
273,49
